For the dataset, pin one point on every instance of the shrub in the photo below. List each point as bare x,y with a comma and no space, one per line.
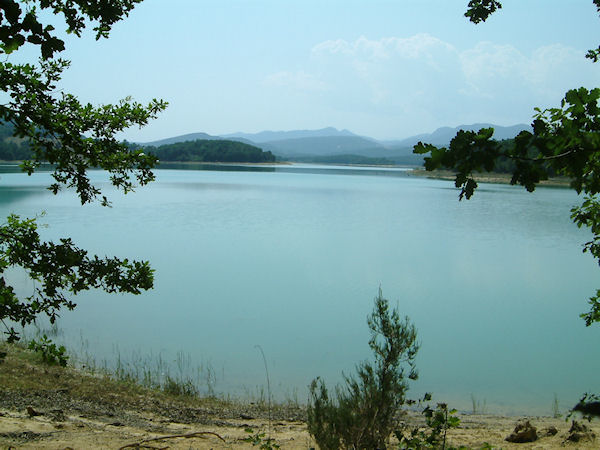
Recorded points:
438,421
364,412
51,354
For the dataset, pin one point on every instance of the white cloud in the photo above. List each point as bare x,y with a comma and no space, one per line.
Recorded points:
385,72
496,71
421,81
490,61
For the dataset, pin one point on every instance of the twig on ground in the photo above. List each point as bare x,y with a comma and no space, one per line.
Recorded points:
173,436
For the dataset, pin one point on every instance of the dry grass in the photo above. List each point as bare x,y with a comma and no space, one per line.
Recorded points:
23,371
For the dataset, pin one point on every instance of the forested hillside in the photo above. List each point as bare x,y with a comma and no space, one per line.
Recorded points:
11,148
15,149
211,151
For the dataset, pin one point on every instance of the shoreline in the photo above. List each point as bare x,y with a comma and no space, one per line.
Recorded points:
44,406
492,178
223,163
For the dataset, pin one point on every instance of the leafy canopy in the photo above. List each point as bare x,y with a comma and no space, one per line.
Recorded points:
73,137
565,141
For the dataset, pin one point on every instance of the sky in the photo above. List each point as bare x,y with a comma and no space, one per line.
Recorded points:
387,69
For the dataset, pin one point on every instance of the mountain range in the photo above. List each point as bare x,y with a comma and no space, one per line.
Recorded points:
304,144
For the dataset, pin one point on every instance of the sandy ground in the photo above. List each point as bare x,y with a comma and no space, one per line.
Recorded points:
57,430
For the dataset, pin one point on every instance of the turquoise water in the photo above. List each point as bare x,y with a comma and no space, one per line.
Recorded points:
290,258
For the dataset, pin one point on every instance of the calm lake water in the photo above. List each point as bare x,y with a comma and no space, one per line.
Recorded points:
290,258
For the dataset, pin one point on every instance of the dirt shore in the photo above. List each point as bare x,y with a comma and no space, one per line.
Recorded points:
56,408
494,178
55,429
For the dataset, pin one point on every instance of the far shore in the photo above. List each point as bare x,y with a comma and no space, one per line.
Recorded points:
223,163
494,178
418,171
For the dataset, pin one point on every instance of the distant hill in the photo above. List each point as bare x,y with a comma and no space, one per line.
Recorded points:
443,136
270,136
339,145
183,138
326,145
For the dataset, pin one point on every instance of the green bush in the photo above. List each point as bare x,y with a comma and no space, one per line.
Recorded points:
365,410
260,440
438,421
51,354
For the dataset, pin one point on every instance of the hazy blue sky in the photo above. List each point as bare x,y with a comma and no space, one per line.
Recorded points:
383,68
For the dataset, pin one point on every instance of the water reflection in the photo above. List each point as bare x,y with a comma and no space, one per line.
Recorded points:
293,168
11,194
16,168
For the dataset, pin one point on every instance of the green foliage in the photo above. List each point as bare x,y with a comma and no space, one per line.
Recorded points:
56,127
260,440
565,141
73,137
182,388
51,354
203,150
438,421
19,26
57,268
480,10
364,411
588,214
59,129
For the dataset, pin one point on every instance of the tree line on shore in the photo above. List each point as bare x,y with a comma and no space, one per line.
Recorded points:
17,149
211,151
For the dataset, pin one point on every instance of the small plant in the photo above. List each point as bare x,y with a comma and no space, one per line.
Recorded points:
183,388
438,421
555,408
478,407
259,439
268,384
364,412
51,354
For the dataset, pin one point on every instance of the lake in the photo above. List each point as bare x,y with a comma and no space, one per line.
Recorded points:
289,258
